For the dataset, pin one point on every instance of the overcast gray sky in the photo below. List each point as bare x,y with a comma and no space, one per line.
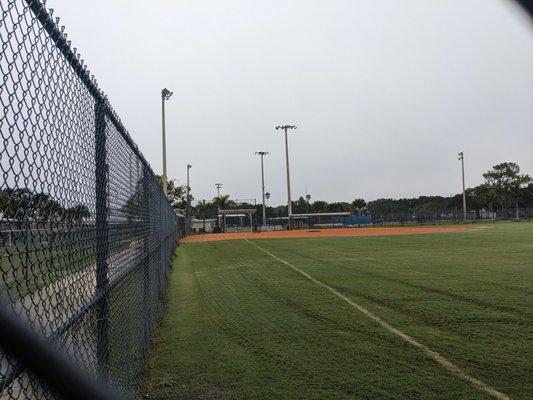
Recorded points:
384,92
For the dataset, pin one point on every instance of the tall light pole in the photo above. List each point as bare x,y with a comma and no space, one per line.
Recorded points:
188,216
165,95
461,157
262,154
289,203
218,186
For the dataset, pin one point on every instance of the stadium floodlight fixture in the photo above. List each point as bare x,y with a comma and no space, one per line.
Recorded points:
165,95
461,157
285,128
262,154
218,186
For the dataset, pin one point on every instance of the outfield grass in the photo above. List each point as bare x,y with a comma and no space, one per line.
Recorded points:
240,324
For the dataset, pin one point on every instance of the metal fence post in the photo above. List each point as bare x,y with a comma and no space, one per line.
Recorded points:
146,260
102,242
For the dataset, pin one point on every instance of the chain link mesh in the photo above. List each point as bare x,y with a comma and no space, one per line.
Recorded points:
86,233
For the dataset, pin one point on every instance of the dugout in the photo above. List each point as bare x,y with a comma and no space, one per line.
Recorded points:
237,220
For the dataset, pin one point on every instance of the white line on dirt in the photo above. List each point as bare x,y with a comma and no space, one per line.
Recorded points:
450,366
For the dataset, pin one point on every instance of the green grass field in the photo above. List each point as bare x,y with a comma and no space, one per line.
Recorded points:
241,324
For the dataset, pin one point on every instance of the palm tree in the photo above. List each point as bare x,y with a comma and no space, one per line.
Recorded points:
221,201
359,205
202,207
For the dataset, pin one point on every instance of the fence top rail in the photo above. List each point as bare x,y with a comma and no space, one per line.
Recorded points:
59,38
244,211
322,214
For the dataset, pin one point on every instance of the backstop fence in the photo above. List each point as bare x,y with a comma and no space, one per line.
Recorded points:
86,233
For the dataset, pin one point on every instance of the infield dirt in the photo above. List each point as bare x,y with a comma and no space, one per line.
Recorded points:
337,232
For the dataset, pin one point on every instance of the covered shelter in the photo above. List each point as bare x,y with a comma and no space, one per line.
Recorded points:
240,213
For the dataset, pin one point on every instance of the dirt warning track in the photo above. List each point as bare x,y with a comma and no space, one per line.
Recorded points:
337,232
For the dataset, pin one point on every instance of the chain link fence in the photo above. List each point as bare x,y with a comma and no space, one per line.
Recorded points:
86,233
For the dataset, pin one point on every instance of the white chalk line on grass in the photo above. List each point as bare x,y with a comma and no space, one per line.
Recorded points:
450,366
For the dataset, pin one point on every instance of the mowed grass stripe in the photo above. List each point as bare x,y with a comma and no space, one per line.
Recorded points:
251,337
468,295
240,324
426,350
267,348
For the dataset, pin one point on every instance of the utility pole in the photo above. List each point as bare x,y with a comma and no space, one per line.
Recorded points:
218,186
289,203
262,154
188,216
461,157
165,95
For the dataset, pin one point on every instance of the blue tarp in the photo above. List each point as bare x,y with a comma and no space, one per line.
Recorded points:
353,220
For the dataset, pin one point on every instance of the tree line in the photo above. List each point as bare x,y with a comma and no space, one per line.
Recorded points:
503,188
25,204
